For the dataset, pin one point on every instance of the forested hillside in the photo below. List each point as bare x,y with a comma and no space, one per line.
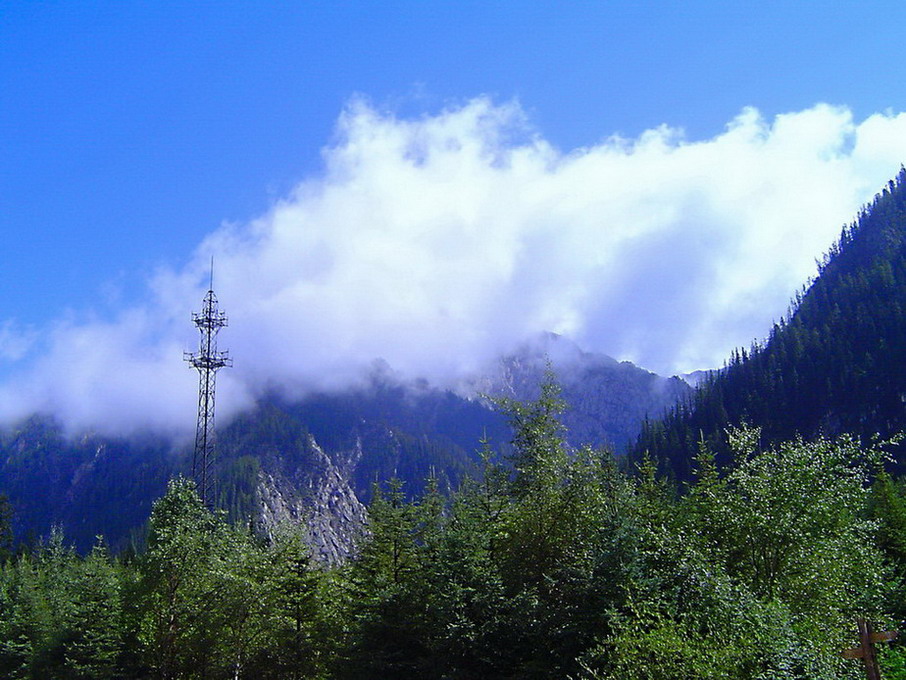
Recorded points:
314,458
89,484
836,363
296,454
557,565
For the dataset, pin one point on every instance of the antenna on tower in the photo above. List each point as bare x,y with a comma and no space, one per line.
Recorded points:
207,360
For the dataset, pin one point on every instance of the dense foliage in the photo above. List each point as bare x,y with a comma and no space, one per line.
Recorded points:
836,363
553,564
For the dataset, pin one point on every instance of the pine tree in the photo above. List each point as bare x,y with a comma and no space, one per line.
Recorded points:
179,597
6,528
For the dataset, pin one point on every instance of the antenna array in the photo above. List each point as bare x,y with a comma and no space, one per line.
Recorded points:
207,360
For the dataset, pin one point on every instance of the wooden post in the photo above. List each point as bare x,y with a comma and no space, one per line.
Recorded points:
866,648
872,672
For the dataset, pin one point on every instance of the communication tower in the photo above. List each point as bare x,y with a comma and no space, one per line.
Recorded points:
208,360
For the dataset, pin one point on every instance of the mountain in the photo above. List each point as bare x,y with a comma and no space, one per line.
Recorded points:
88,485
314,460
836,363
608,399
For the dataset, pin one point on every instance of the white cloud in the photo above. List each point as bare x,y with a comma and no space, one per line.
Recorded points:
15,341
438,243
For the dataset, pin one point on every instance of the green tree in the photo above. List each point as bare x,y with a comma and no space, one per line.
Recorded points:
60,615
797,510
299,632
387,617
6,528
180,605
888,508
535,535
23,618
548,548
94,639
775,560
52,606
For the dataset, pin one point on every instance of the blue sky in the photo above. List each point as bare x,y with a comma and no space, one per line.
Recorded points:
131,133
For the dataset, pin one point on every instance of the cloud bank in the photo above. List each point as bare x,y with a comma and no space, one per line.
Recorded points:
438,243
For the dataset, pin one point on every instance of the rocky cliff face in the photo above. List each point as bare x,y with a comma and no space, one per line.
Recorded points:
607,400
315,494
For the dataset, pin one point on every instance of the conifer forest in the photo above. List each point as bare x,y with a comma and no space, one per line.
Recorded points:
555,564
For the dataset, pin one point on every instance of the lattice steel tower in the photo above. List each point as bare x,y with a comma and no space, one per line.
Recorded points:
208,361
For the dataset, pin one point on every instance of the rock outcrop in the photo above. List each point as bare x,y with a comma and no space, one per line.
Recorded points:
316,493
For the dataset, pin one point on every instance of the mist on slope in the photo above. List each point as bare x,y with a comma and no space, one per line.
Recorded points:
436,244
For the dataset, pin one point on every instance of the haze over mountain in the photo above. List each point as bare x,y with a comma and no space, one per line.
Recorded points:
313,460
437,244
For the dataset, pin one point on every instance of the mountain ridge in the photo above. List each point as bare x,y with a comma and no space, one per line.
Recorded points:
836,363
314,460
